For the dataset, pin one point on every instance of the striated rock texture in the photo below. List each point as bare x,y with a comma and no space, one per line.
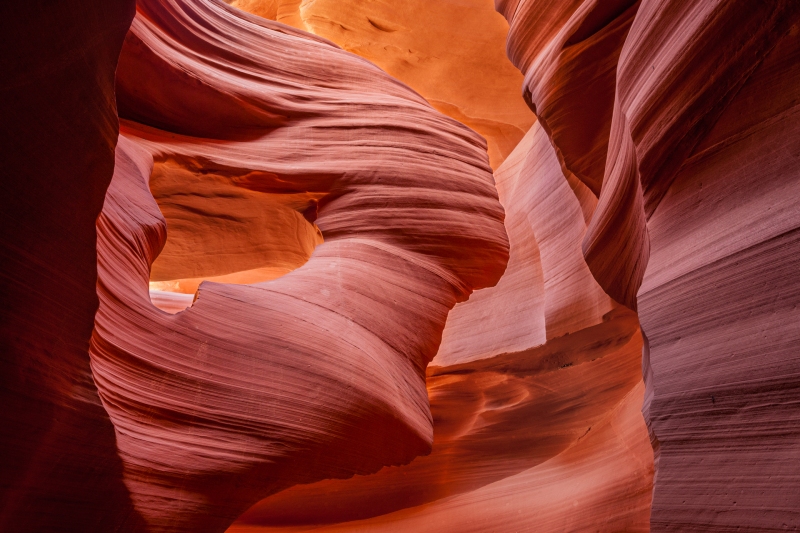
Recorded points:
537,425
691,142
568,52
451,52
319,373
59,470
547,290
341,218
577,490
719,304
220,231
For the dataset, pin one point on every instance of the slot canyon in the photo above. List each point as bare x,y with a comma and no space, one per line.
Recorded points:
284,266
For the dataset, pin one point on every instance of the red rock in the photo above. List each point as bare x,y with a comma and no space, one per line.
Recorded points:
660,175
547,290
697,183
451,53
60,471
508,429
510,316
566,50
661,113
719,306
317,374
512,427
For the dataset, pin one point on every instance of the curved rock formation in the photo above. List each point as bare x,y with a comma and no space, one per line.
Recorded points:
536,415
317,374
568,52
450,52
698,123
554,419
580,488
547,290
60,471
719,304
644,112
220,231
341,218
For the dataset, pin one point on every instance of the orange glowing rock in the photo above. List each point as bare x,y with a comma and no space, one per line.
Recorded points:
452,53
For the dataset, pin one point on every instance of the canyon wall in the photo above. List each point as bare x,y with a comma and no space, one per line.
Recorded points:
197,415
255,283
60,470
678,119
719,304
319,373
696,171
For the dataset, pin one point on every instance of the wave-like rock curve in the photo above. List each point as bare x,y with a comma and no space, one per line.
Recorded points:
660,177
694,226
451,53
535,395
319,373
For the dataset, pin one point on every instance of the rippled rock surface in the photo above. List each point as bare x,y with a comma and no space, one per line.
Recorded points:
251,281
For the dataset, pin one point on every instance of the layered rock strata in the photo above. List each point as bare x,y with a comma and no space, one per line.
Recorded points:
542,418
661,175
317,374
671,151
696,177
450,52
719,304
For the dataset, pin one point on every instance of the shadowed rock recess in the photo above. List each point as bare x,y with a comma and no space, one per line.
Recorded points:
400,265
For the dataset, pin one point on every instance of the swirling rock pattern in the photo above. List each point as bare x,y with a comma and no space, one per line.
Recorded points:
660,177
540,419
317,374
694,225
520,431
450,52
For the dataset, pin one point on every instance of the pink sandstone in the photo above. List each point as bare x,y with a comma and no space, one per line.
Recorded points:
341,225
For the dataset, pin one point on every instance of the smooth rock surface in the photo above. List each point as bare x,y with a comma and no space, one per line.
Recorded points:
319,373
288,228
59,471
547,291
514,407
450,52
537,430
719,304
694,226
